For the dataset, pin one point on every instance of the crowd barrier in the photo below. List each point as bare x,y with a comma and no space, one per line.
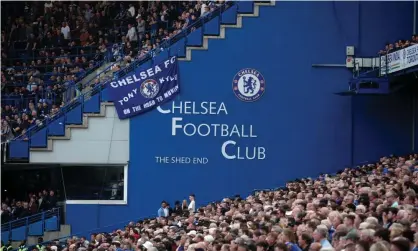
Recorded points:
34,225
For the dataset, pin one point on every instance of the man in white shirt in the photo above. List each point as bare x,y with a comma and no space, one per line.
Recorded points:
203,9
132,33
192,204
65,30
131,10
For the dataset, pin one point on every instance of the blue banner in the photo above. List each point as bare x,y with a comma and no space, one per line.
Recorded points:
145,88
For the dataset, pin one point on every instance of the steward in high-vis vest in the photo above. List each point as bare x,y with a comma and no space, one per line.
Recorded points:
22,246
7,247
39,246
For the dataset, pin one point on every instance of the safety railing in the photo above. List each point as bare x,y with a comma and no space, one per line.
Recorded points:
103,229
400,60
150,55
34,54
183,34
74,102
35,225
25,57
22,102
50,97
48,69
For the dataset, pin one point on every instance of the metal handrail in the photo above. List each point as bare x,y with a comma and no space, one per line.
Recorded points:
64,109
30,219
82,98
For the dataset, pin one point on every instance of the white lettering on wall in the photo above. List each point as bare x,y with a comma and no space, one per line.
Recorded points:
193,108
242,153
216,130
230,149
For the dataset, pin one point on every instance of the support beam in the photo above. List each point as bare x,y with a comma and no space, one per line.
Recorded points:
329,65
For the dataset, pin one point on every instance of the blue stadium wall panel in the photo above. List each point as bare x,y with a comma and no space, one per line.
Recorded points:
382,125
303,127
416,124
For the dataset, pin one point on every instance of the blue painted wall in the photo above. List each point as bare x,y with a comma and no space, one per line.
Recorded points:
415,104
303,126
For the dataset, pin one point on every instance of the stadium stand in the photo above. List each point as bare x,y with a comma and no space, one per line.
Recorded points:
44,60
369,207
44,63
400,44
13,209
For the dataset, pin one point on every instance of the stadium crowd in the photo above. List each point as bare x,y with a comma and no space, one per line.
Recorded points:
370,207
13,210
400,44
48,48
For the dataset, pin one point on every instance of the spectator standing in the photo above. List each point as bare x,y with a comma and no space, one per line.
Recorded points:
184,205
169,209
131,10
6,132
192,205
42,202
33,207
131,35
65,30
163,211
177,208
5,213
52,200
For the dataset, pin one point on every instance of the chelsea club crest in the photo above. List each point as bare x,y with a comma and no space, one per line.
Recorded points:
149,88
248,85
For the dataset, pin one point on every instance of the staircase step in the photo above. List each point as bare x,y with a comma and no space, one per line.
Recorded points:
238,25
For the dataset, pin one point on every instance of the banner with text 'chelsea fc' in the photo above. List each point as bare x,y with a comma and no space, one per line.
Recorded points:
145,88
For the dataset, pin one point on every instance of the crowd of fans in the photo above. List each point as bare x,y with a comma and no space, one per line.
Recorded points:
13,210
50,46
371,207
398,45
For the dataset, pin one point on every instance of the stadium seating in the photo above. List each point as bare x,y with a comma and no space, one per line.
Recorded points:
368,207
186,36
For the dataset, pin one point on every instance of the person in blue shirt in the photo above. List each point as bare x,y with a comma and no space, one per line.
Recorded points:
289,238
163,211
320,235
